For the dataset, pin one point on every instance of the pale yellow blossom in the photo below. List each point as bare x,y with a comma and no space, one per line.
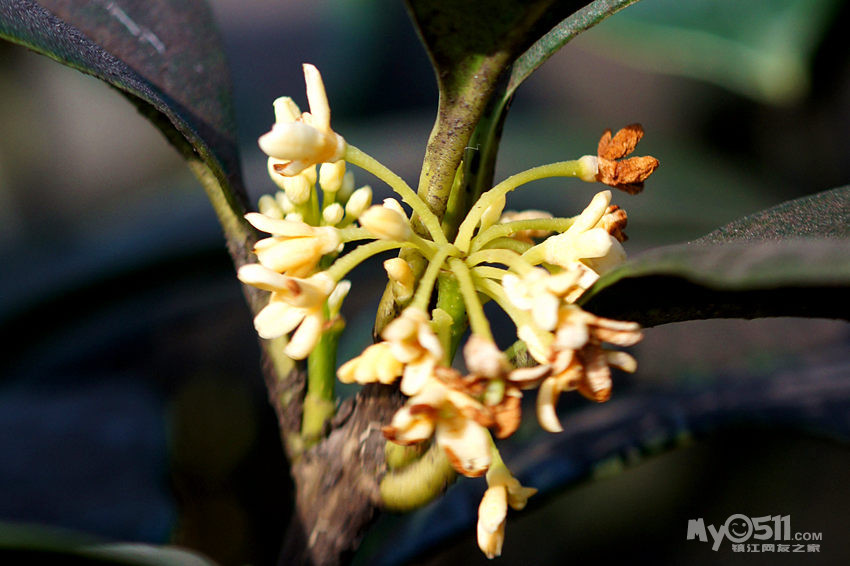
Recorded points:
444,410
295,304
303,139
585,242
503,490
414,344
295,248
577,360
541,293
410,350
386,222
401,275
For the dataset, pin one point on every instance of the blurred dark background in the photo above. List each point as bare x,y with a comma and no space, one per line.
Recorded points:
131,403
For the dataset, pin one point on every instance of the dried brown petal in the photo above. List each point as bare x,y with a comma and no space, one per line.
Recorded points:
622,144
507,415
596,384
629,174
614,222
617,337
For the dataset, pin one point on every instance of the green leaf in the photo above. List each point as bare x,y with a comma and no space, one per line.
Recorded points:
31,544
790,260
167,59
760,48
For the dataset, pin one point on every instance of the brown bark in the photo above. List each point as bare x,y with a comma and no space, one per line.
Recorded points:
336,482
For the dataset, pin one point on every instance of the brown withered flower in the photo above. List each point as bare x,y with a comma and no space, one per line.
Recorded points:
624,174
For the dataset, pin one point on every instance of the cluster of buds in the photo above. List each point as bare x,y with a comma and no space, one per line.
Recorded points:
533,265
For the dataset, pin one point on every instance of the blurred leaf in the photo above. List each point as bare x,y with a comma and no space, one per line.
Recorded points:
560,35
30,544
167,58
761,48
790,260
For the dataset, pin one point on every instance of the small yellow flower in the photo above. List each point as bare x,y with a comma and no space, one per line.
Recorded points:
410,350
295,304
584,241
503,490
449,414
387,221
413,343
577,360
376,363
401,275
295,248
541,293
303,139
490,379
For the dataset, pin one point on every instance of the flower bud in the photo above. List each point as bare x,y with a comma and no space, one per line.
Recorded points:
269,206
386,223
359,201
347,187
333,213
401,275
331,176
283,201
393,204
298,189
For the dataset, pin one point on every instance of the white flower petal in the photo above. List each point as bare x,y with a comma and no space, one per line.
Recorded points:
317,98
544,310
547,396
416,375
615,256
277,319
592,244
286,254
305,338
407,428
278,227
466,443
592,213
292,141
262,277
493,509
621,360
285,110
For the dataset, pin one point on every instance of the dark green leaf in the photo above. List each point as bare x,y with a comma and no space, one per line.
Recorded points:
167,58
31,544
790,260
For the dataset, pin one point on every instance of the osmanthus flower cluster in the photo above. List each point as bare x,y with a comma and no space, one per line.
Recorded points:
533,265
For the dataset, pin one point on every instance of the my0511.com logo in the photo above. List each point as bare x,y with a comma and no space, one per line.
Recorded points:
742,531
